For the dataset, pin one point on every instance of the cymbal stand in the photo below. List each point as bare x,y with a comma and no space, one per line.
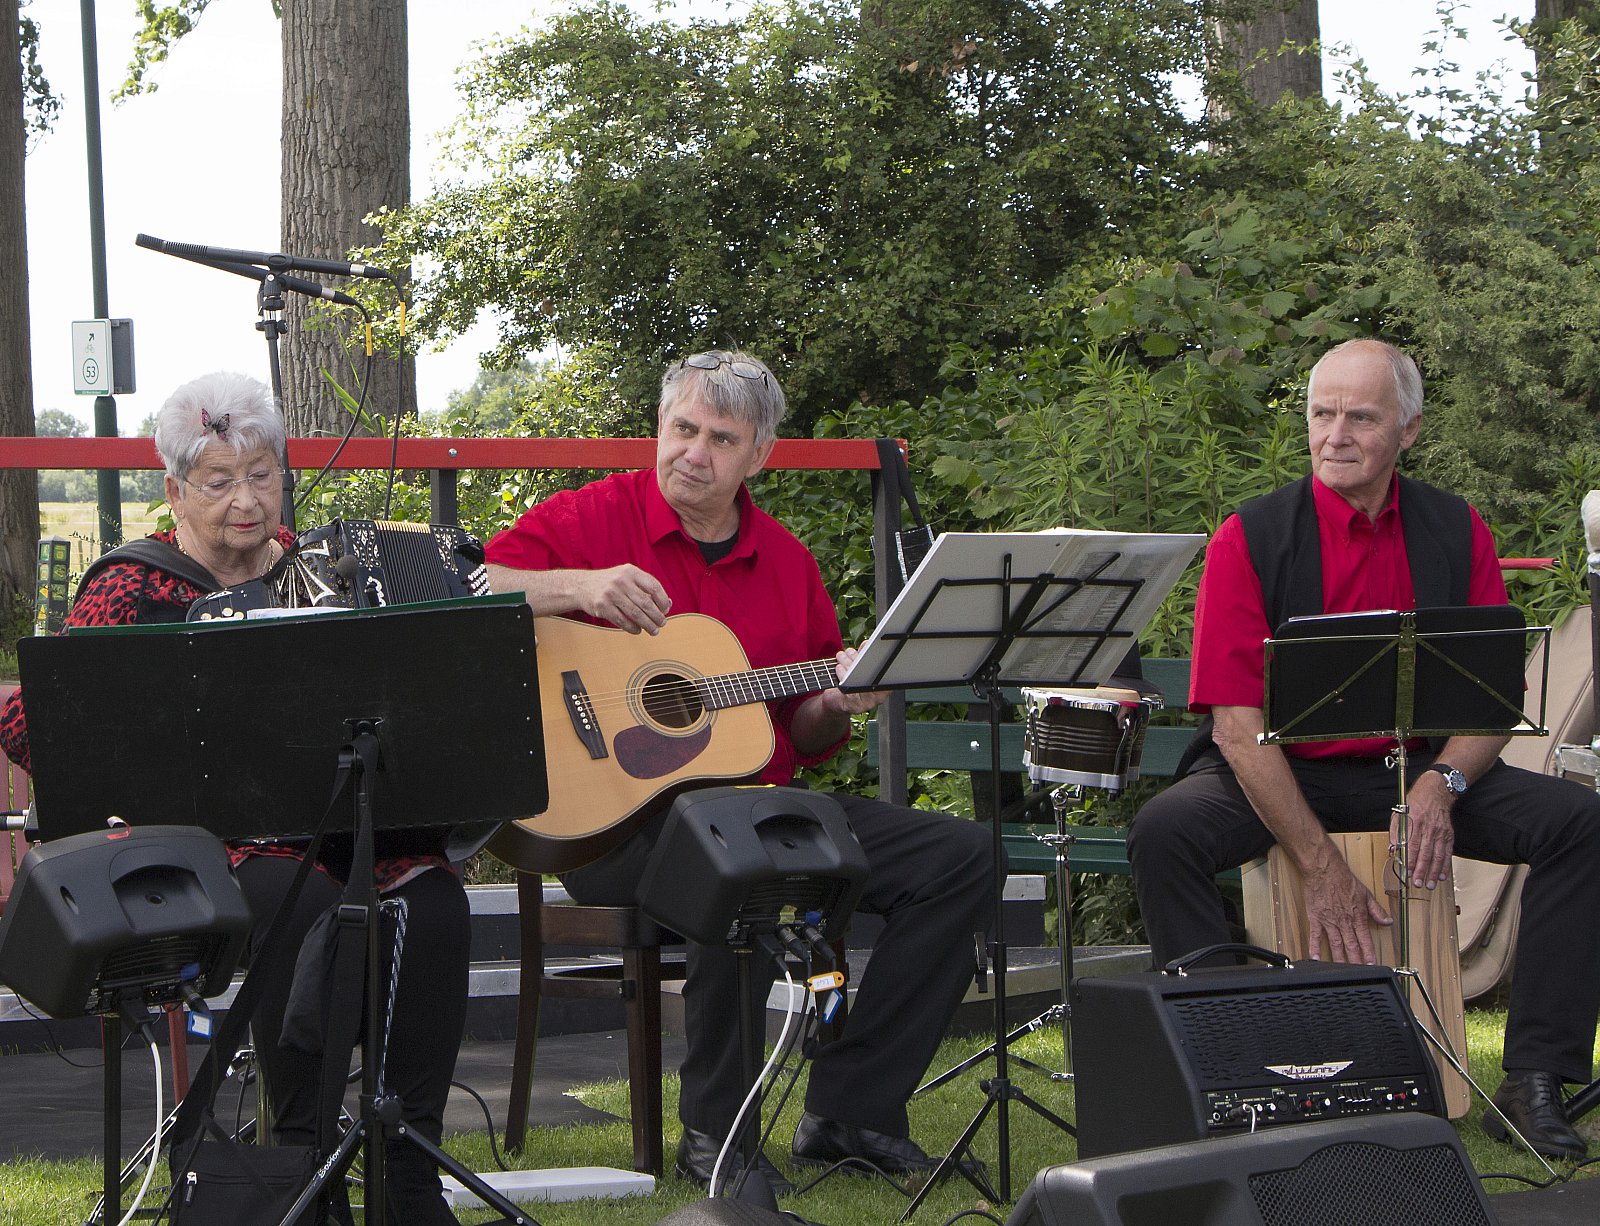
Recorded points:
1060,841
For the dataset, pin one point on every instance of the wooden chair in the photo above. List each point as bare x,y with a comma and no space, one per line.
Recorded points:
638,986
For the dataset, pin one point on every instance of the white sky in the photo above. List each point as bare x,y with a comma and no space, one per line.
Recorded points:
197,162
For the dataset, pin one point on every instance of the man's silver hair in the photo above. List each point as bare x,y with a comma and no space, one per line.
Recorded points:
758,401
1407,378
233,409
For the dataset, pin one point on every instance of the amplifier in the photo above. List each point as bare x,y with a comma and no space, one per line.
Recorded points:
1163,1058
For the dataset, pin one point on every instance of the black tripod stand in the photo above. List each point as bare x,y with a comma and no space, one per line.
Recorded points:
774,867
999,1091
1021,608
381,1115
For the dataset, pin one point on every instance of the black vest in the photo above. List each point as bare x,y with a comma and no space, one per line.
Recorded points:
1280,530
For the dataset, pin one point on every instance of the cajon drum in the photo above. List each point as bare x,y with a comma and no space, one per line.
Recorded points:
1275,918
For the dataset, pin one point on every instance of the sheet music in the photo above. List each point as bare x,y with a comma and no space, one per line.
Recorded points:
1094,582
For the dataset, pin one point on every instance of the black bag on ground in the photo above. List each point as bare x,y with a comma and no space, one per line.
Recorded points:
232,1183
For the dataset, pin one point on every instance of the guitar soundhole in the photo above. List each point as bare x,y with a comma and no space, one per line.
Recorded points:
671,701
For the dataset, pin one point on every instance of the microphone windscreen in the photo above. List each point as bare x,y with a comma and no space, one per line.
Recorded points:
347,568
1591,527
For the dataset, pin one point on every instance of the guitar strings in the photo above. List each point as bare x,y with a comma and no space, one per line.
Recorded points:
724,685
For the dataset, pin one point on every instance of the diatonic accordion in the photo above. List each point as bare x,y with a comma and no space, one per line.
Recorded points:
359,564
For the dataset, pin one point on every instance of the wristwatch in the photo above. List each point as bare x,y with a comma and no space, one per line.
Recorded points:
1453,779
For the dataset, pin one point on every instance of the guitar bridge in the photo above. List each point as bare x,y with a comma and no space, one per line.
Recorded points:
581,712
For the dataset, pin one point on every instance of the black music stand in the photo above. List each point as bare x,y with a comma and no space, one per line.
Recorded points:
997,609
244,727
1435,672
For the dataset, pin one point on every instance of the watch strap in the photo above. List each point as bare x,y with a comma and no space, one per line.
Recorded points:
1454,779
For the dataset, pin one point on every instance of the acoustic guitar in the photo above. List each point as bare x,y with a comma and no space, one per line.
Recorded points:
630,722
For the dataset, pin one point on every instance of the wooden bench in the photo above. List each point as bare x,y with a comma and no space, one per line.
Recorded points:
963,745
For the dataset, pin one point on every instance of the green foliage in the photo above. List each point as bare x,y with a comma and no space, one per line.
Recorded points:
41,108
530,400
163,26
57,423
987,229
847,197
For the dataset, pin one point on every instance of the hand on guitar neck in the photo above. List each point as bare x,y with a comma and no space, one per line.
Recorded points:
825,717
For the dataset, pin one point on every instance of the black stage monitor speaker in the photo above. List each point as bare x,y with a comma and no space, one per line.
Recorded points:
129,914
1396,1170
1162,1058
734,862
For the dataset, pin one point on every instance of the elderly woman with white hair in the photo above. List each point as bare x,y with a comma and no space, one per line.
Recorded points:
221,439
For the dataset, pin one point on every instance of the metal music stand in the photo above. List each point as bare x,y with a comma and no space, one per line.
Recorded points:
1436,672
996,609
242,728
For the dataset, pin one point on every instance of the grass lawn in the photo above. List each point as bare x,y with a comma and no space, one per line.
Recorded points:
77,521
36,1193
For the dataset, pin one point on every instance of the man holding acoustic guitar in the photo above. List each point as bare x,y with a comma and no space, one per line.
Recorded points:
631,551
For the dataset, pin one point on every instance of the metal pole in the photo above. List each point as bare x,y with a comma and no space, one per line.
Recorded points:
108,484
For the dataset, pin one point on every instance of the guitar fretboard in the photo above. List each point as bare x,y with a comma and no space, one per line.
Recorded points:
767,684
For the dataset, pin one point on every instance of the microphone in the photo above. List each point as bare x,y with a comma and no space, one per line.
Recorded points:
312,290
298,284
276,261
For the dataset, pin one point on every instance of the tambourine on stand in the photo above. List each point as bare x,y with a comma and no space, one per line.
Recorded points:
1077,740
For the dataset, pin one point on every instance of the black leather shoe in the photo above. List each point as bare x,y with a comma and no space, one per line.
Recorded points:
1532,1101
823,1142
697,1157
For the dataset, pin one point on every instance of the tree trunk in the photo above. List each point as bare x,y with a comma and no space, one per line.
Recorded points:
346,153
19,488
1547,15
1253,48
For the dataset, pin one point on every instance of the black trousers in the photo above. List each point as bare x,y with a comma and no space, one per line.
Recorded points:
930,877
1203,824
430,1010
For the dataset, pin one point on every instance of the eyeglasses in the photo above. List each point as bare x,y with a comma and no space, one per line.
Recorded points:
219,488
710,361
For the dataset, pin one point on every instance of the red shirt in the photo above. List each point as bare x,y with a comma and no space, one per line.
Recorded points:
1364,567
767,590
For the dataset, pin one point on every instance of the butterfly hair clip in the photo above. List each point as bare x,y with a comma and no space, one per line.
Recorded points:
218,424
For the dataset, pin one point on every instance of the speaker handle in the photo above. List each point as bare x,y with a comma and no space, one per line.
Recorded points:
1181,966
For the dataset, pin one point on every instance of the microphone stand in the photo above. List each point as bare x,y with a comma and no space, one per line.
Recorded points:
270,307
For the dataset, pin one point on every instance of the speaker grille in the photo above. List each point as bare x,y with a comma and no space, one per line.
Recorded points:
157,963
1361,1182
1231,1038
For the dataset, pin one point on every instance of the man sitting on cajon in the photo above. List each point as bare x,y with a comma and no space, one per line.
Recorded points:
1354,536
